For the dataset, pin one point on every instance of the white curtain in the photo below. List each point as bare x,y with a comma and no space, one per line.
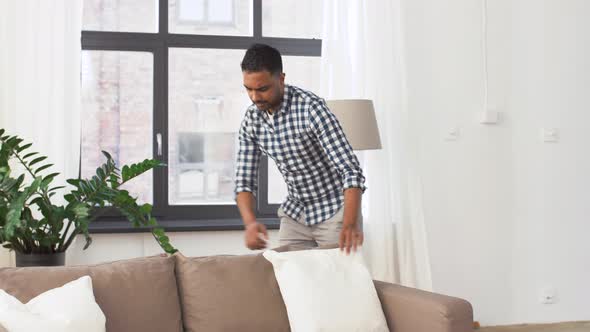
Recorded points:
362,57
40,80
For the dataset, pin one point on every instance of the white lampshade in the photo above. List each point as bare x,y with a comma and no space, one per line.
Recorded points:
357,117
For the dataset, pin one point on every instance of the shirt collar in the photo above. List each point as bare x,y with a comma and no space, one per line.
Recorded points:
285,104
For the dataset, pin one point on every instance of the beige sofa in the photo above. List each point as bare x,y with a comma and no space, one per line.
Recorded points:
218,293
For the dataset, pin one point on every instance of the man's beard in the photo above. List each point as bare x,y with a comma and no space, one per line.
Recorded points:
266,105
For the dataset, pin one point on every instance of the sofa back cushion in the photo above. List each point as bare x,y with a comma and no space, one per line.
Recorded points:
135,295
230,293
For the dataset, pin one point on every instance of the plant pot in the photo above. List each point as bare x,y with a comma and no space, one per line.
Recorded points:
25,260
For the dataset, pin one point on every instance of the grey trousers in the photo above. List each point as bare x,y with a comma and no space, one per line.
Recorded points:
326,233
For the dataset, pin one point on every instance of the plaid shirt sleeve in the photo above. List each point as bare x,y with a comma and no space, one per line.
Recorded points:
248,160
329,132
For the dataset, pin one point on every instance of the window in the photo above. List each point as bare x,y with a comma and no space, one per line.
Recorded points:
117,15
211,17
292,18
117,90
203,12
161,79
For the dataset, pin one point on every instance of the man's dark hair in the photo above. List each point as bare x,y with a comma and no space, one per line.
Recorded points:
260,57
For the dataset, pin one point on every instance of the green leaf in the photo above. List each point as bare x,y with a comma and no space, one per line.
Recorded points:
30,155
55,188
106,154
83,187
14,141
10,141
100,172
88,243
44,167
146,209
158,231
125,173
36,200
69,198
47,180
73,182
16,208
24,147
11,186
133,170
96,181
152,222
81,210
20,180
36,160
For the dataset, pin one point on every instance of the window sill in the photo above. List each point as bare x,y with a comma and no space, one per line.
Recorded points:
123,226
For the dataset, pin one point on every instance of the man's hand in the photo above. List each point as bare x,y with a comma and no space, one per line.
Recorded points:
256,236
255,233
350,237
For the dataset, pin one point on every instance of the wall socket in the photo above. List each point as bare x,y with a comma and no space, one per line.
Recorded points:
548,295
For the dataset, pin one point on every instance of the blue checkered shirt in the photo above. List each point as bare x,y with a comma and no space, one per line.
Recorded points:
310,150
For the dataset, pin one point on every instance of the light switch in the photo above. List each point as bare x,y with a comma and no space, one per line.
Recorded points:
550,135
453,134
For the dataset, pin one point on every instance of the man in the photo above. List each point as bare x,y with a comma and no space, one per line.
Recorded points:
296,129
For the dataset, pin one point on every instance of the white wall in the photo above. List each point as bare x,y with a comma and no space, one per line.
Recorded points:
506,213
550,88
467,183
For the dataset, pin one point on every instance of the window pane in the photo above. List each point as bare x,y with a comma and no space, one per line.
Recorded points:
117,89
303,72
210,17
292,18
221,11
191,10
206,105
121,15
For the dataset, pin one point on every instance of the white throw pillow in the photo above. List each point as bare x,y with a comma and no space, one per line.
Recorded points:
70,308
326,290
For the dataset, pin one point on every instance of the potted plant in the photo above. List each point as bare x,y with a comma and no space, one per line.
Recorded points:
40,231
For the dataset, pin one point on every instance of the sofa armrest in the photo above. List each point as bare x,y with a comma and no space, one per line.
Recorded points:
413,310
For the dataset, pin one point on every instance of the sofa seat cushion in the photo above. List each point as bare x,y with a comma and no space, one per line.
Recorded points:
135,295
230,293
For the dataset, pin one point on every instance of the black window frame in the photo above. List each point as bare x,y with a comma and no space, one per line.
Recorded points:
189,217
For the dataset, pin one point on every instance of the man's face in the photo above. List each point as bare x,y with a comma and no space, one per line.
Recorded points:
264,89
